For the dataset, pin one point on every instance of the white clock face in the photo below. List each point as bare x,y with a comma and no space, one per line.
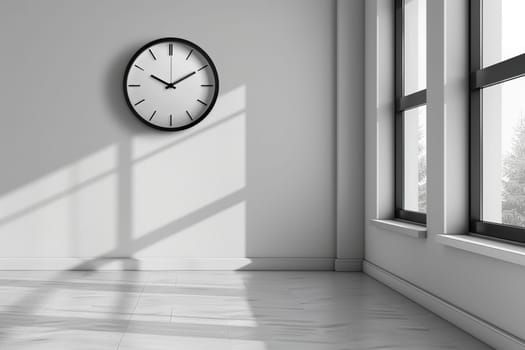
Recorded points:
171,84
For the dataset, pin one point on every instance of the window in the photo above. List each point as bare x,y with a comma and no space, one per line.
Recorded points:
498,119
411,150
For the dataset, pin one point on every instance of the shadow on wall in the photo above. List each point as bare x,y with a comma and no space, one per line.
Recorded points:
82,178
126,190
134,195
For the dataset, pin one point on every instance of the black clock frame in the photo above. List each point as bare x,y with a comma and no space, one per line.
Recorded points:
192,46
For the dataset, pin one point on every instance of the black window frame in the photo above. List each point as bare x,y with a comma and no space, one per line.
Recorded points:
403,103
480,78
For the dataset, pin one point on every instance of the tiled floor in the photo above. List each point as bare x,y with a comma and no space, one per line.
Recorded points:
213,311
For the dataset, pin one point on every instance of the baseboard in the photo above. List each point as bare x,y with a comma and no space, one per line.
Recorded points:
349,265
486,332
306,264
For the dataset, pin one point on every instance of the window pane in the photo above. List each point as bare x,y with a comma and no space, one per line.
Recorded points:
504,153
415,159
415,42
503,28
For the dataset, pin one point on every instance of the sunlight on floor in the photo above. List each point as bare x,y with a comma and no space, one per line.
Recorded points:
214,310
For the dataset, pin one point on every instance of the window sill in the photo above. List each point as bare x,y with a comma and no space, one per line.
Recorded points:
498,250
404,228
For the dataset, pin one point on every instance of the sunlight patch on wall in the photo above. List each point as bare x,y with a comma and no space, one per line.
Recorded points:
126,197
70,211
216,236
191,176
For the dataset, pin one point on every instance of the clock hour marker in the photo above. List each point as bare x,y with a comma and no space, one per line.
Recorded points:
189,54
189,115
171,120
170,49
134,85
204,103
140,101
139,67
152,55
152,115
207,85
201,68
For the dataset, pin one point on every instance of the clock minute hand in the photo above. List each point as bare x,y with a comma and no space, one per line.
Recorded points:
162,81
181,79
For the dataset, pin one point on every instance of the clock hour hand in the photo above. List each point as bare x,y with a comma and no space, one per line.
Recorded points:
168,85
181,79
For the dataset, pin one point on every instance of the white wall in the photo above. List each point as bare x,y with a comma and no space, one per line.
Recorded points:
491,290
350,134
81,177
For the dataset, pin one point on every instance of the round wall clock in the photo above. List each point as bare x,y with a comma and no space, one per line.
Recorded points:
171,84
